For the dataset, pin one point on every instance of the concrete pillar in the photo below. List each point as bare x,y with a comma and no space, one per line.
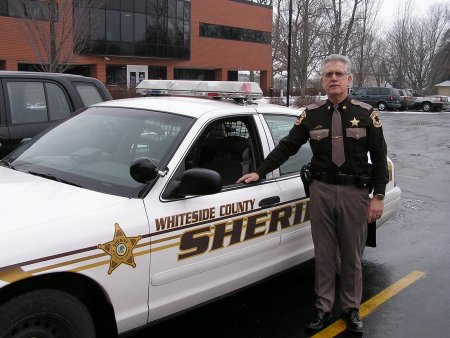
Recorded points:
170,73
221,74
11,64
98,70
265,81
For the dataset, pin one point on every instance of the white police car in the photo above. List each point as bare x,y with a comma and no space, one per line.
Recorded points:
92,245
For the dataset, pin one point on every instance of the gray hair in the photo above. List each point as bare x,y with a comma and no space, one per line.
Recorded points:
337,58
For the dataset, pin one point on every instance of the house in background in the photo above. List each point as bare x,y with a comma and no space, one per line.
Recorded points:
443,88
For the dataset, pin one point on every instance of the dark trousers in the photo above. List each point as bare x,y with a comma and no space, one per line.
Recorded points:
338,219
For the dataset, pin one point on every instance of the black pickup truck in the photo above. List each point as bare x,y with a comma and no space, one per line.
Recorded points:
31,101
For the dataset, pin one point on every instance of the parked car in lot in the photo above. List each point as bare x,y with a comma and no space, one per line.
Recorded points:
32,101
383,98
429,103
445,100
95,246
407,99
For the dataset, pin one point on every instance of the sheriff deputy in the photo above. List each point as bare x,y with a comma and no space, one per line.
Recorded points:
341,133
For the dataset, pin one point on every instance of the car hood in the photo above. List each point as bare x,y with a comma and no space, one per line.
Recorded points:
27,200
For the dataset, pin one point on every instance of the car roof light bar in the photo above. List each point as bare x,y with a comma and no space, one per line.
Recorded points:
215,89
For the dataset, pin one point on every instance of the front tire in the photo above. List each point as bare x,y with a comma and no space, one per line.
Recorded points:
45,314
426,107
382,106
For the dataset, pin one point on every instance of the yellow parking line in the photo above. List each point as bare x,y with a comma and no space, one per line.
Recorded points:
369,306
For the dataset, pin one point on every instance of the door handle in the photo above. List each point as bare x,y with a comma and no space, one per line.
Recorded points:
265,202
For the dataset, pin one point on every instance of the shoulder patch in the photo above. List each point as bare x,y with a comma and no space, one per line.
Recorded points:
300,118
375,119
361,104
316,105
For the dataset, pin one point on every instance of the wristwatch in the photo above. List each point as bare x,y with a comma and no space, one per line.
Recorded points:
379,197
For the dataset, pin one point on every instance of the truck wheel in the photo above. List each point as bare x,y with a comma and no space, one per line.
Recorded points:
381,106
45,314
426,106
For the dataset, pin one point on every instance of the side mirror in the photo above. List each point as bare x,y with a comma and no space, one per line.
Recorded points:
143,170
200,181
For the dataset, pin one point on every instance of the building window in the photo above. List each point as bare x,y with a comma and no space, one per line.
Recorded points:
112,25
234,33
149,28
194,74
4,7
97,28
31,9
116,75
157,73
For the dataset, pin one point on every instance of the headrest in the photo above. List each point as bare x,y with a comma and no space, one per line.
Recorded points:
233,144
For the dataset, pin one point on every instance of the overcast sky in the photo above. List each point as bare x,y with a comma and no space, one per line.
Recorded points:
391,8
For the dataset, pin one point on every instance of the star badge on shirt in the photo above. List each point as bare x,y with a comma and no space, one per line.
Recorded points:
354,122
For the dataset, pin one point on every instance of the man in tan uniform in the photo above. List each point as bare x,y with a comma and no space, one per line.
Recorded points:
341,132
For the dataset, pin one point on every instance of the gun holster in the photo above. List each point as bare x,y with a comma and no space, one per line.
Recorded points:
306,176
364,182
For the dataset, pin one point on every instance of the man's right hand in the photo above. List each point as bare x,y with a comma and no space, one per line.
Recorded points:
247,178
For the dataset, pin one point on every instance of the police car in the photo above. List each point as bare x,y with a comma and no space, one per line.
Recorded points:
128,211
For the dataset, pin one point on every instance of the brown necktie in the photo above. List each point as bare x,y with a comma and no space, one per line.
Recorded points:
337,141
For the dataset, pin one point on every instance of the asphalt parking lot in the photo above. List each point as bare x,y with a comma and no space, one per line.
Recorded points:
406,278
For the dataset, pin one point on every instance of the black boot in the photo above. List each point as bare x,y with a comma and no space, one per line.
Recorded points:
318,321
354,323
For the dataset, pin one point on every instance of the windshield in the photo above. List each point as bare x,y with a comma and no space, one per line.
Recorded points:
94,149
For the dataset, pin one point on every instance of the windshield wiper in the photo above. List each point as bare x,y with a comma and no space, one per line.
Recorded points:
10,166
54,178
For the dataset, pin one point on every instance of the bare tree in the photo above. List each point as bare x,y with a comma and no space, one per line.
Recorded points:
308,28
414,43
278,27
341,16
307,25
56,31
440,66
377,65
366,51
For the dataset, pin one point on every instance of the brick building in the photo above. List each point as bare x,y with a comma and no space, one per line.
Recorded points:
160,39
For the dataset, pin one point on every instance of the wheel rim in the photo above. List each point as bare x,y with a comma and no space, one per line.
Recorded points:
40,327
381,106
426,107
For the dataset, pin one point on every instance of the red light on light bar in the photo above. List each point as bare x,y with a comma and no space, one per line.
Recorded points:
245,88
212,94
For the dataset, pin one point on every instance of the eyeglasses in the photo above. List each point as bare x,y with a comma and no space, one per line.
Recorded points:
329,75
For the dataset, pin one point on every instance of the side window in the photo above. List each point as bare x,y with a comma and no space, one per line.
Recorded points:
384,91
373,91
58,106
89,93
27,102
225,146
279,126
359,91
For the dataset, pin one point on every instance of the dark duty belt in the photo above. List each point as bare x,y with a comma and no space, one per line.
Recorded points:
341,179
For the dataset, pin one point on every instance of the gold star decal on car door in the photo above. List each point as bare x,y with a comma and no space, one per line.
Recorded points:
120,249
